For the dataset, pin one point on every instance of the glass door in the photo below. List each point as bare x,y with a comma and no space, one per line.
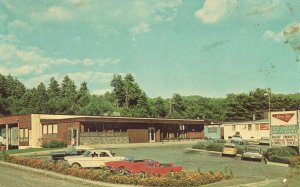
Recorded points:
151,131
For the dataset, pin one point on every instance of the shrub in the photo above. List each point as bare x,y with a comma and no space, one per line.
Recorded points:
215,147
3,155
281,154
210,146
199,145
295,162
55,144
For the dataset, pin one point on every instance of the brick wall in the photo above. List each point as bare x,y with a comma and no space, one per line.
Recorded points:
90,140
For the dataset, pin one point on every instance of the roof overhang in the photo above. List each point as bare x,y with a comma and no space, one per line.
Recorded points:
126,120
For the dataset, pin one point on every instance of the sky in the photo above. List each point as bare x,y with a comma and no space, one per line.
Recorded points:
191,47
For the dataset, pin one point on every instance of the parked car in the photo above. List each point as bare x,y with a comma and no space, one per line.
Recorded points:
93,158
264,141
229,149
237,139
74,151
252,152
144,166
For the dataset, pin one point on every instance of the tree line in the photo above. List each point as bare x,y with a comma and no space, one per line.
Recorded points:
128,99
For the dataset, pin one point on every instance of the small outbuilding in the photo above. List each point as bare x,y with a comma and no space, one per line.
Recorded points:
249,130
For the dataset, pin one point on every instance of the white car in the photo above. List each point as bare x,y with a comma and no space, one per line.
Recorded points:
93,158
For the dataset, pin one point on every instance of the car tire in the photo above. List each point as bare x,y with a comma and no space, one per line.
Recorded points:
242,158
122,170
76,165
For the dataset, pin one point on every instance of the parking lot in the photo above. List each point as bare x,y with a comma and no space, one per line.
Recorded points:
258,173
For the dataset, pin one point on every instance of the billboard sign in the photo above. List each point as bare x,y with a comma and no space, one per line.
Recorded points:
284,118
284,140
292,129
264,126
284,128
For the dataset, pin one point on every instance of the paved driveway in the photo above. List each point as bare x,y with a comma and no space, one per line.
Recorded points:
244,171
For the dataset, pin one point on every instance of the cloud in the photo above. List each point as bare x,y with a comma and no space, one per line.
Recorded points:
214,10
23,70
94,78
18,24
278,37
101,91
58,13
78,2
22,61
289,35
142,27
262,8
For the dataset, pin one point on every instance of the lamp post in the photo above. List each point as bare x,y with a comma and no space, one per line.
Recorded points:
269,112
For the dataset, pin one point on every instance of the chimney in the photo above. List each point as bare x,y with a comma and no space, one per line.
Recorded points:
253,117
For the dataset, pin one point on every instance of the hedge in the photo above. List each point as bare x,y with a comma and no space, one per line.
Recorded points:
214,146
295,162
280,154
55,144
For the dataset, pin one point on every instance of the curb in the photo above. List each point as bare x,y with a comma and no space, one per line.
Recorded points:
215,152
66,177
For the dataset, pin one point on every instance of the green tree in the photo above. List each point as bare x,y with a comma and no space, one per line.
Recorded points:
69,95
178,106
54,94
41,99
83,96
119,90
160,108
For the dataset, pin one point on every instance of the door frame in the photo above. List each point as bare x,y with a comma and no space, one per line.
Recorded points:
151,134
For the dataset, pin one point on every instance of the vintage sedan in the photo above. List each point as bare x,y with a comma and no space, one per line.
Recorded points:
229,149
94,158
144,166
73,151
264,141
252,152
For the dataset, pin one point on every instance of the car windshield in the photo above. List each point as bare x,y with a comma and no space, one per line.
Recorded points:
86,153
229,146
71,150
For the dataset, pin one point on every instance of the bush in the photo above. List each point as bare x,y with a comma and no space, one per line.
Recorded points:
3,155
295,162
281,154
215,147
199,145
55,144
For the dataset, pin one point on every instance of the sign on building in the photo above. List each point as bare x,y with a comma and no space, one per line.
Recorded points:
284,128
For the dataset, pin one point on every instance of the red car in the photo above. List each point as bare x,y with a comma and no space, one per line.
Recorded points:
145,166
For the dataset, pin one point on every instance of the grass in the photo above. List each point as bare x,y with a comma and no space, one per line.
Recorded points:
18,151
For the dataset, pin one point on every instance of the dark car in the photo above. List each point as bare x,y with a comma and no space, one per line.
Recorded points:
60,155
252,152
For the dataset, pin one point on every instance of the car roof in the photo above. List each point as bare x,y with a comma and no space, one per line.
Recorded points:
252,146
83,147
100,150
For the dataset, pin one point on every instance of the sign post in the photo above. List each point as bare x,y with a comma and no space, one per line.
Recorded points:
284,128
298,131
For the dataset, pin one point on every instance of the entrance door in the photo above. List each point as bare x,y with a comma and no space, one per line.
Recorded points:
151,133
73,137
